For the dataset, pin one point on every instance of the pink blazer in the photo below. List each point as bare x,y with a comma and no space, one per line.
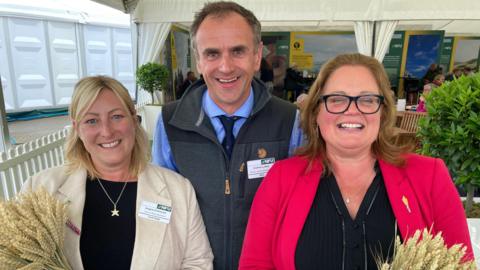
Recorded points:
422,195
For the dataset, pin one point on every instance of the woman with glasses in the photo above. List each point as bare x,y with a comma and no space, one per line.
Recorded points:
340,203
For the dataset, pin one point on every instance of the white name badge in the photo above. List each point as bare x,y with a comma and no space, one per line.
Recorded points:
259,168
155,212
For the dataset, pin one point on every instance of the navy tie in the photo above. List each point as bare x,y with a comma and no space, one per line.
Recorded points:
229,139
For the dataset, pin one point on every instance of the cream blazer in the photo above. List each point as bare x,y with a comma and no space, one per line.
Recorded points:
180,244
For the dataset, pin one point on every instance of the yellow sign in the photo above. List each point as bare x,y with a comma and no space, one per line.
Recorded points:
174,52
297,46
303,61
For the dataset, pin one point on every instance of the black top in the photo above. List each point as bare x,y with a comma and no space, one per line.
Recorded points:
330,239
106,241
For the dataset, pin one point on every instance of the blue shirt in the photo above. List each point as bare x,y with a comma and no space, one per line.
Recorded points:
162,152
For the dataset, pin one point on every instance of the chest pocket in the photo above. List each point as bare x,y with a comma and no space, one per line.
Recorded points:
258,152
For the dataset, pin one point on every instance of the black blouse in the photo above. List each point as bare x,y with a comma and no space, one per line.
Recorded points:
107,241
331,239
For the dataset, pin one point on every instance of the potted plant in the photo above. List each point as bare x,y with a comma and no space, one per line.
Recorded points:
451,131
152,77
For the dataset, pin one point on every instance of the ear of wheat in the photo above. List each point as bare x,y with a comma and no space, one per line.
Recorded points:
426,251
32,229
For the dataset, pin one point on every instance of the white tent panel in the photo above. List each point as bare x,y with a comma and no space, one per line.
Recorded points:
98,50
123,58
5,70
80,11
64,59
268,10
123,5
459,27
454,17
29,52
428,10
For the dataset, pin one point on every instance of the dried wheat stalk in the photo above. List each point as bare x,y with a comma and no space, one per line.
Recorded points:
32,230
425,251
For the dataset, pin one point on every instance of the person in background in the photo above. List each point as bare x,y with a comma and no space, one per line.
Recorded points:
456,73
122,212
350,191
427,88
301,101
227,130
188,81
467,71
432,71
266,74
438,80
294,83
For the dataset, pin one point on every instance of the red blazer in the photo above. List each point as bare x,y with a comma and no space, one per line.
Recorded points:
422,195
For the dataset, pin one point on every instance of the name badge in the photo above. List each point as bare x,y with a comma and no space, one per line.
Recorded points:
259,168
155,212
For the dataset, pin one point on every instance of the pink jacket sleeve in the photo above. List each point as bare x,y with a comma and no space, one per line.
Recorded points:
448,213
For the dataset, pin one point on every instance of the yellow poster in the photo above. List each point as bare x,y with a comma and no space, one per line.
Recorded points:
174,52
297,46
303,61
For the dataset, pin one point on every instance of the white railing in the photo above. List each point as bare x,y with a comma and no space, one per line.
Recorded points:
23,161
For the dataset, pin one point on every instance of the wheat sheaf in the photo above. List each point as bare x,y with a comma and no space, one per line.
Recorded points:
32,229
426,251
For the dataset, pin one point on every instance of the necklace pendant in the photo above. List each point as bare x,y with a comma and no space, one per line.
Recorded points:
115,212
347,200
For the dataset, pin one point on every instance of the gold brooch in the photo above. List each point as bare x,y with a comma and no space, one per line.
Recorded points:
262,153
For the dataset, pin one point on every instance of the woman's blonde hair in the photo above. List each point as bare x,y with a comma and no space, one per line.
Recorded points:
383,147
85,93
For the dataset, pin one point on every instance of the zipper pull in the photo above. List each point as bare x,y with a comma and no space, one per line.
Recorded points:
227,186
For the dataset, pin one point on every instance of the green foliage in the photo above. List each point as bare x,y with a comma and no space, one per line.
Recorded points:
451,130
474,211
152,77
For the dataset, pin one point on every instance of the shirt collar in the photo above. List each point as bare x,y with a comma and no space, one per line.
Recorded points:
212,109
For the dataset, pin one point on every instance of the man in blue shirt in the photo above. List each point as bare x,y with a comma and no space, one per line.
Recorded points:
195,136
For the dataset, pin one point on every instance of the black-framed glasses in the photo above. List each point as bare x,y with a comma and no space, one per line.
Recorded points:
366,104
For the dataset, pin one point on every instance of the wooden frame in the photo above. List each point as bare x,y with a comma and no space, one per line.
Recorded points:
407,132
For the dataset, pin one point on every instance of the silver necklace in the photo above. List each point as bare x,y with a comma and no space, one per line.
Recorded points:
115,212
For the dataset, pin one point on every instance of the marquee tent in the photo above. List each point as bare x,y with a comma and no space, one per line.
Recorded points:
78,11
459,17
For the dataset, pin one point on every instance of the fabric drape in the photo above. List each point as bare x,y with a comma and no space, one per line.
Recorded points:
383,35
151,39
363,37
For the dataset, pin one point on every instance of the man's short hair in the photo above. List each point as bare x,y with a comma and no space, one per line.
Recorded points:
222,9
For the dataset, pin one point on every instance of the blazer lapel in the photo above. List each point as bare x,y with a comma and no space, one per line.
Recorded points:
73,192
296,213
149,234
403,200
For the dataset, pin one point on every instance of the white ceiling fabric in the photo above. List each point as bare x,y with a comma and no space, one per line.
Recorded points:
458,17
454,17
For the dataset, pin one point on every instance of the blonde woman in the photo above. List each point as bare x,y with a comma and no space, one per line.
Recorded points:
123,213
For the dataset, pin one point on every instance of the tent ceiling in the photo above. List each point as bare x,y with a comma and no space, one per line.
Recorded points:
126,6
459,17
80,11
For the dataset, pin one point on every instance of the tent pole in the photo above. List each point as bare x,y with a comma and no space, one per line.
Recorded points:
373,38
4,134
135,37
